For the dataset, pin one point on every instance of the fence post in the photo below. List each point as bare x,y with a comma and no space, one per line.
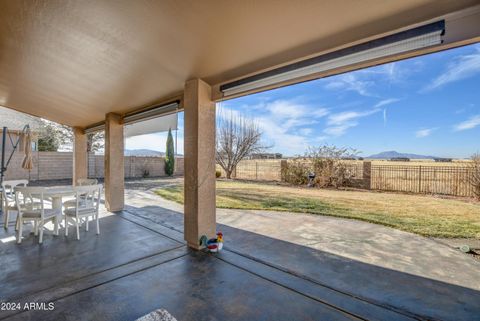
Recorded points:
420,179
256,171
283,170
367,175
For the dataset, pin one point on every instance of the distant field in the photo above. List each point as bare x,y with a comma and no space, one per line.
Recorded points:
424,215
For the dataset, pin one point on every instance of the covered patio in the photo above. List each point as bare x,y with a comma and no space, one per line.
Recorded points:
140,262
103,64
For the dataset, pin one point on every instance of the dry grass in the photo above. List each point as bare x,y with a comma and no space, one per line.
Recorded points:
424,215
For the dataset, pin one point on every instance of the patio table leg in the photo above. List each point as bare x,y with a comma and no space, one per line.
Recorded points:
98,225
58,205
40,225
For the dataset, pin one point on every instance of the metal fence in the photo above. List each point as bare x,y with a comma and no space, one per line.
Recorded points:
439,179
261,170
446,180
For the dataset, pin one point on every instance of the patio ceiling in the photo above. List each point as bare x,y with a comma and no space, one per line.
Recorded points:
74,61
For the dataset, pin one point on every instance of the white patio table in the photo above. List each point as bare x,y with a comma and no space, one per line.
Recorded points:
56,193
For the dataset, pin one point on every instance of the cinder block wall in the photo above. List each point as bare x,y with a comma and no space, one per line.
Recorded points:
58,165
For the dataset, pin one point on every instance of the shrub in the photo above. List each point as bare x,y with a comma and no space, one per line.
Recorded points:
327,162
218,173
329,167
295,172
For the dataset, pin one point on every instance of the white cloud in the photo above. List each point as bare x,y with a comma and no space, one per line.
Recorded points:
463,67
339,123
362,81
305,131
351,82
390,73
424,132
156,142
286,124
470,123
339,130
386,102
341,118
391,70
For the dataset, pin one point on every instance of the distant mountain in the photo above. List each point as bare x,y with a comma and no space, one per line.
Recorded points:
393,154
143,152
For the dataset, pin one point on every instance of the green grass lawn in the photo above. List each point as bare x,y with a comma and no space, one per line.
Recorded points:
424,215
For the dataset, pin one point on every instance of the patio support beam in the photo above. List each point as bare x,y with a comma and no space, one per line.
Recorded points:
199,191
114,170
80,156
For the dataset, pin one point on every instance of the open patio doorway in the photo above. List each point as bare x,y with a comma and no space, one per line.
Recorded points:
153,159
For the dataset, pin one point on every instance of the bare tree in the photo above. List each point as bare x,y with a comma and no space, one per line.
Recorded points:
474,177
237,137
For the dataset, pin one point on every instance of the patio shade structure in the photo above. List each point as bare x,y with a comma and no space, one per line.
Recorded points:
93,64
27,162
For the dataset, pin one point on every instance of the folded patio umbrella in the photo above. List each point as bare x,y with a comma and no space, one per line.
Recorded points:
27,145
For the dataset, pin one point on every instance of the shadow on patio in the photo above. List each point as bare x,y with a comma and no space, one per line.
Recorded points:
139,263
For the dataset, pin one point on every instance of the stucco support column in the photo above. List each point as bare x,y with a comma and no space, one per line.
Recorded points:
80,157
114,169
199,149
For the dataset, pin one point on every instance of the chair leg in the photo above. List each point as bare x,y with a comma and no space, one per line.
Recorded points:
78,228
5,223
19,232
35,228
17,222
86,223
66,226
98,225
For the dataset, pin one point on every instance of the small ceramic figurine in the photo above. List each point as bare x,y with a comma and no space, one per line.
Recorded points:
213,245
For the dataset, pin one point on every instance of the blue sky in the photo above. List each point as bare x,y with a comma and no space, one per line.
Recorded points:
427,105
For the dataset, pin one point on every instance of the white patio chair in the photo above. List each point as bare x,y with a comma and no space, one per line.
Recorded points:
31,207
87,204
80,182
8,199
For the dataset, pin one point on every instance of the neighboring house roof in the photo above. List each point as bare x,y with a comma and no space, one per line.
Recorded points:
15,120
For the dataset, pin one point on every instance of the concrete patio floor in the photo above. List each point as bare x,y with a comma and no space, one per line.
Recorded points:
136,266
357,240
267,271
